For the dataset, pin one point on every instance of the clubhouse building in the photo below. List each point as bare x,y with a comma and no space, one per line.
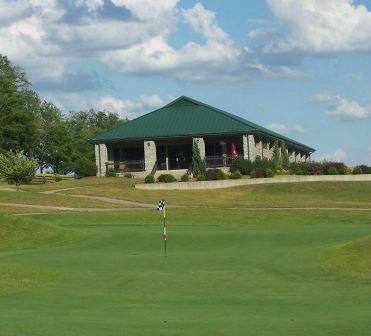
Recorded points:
162,140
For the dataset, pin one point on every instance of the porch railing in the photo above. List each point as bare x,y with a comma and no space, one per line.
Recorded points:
219,161
127,166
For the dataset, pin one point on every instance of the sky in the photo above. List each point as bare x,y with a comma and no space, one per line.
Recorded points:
299,67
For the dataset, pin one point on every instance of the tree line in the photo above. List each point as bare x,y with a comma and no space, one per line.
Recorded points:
39,130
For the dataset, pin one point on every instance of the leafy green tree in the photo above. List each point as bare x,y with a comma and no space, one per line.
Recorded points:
54,147
18,108
285,155
16,168
198,165
276,156
83,125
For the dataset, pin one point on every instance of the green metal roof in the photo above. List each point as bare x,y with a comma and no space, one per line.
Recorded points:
186,117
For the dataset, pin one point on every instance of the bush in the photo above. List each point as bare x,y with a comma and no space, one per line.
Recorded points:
368,170
201,178
184,178
332,171
340,167
299,168
253,174
111,173
149,179
260,172
166,178
57,178
84,168
214,174
245,167
269,172
236,175
357,170
128,175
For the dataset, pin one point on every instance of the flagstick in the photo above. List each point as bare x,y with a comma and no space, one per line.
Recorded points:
165,233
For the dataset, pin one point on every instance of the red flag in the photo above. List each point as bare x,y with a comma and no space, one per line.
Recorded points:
234,151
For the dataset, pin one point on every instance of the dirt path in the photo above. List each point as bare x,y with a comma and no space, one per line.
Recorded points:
55,191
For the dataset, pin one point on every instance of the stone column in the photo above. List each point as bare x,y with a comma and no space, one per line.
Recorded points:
297,157
201,146
150,156
266,152
259,149
245,142
292,156
251,147
101,158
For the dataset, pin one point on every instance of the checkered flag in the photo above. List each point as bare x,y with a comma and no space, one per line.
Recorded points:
161,205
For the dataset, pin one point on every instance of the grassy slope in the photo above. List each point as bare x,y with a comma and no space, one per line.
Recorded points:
331,194
227,273
19,234
50,200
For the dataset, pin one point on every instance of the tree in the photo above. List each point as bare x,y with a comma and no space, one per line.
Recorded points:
83,125
198,165
54,146
285,155
16,168
18,106
276,156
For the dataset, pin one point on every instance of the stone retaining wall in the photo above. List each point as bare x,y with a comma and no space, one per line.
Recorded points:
247,181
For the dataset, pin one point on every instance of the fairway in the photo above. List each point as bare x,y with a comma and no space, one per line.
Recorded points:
260,273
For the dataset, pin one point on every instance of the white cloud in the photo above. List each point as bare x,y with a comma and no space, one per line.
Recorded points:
344,109
284,129
92,5
46,36
338,155
322,26
126,108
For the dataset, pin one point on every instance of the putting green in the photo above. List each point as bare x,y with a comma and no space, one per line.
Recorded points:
260,275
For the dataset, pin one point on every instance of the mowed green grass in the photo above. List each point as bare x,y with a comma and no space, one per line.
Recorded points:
228,272
309,194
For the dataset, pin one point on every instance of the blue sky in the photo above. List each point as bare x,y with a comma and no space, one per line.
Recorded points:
299,67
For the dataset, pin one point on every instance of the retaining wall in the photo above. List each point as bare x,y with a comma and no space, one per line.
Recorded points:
248,181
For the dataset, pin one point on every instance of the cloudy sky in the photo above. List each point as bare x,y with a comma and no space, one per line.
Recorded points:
299,67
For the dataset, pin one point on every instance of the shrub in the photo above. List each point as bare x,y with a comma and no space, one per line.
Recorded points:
85,167
16,168
198,165
245,167
201,178
128,175
149,179
57,178
236,175
365,169
332,171
269,172
340,167
299,168
253,174
264,163
110,173
166,178
214,174
260,172
357,170
184,178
